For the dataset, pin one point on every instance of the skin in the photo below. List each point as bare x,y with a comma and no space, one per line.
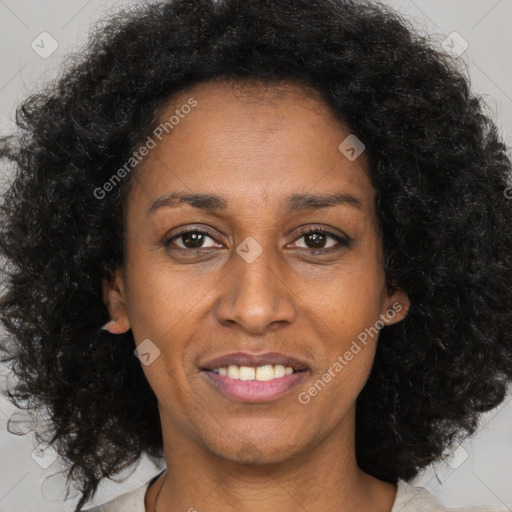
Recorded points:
254,146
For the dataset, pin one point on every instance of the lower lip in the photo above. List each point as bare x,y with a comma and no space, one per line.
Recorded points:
255,390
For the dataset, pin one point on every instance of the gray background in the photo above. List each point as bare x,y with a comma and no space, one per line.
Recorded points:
479,471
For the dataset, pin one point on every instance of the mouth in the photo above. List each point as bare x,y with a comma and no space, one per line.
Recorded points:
254,378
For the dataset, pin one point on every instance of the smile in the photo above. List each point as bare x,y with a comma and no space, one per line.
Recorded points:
261,373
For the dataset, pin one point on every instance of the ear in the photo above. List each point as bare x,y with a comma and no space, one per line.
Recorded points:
396,305
115,302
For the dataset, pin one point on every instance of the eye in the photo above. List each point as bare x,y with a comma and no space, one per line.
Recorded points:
191,239
315,239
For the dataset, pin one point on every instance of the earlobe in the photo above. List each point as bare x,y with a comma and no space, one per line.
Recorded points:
114,327
114,300
398,305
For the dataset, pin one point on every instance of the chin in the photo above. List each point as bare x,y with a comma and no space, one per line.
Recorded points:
252,453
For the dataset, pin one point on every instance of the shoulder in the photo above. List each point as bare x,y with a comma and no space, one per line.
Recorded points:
411,498
132,501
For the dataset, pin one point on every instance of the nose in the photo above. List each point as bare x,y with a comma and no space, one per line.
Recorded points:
256,295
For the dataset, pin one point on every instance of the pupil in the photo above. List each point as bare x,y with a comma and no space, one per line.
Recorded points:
196,240
316,238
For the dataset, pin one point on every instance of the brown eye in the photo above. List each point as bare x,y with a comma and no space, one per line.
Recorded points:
192,239
316,239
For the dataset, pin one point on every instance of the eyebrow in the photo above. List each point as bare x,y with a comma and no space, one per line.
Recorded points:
295,203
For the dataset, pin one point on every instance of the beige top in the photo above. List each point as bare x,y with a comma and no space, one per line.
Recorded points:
408,499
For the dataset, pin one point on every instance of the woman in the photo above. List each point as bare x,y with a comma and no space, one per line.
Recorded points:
290,220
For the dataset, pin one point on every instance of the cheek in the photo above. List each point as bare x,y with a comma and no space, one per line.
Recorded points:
346,315
160,298
349,302
163,310
349,341
160,310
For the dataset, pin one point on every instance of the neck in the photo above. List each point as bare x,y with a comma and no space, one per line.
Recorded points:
322,478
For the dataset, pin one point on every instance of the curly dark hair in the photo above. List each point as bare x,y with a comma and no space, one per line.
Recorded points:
436,160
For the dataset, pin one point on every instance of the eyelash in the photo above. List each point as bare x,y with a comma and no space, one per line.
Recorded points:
342,241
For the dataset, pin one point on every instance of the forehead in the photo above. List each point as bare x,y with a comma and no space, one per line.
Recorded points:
251,140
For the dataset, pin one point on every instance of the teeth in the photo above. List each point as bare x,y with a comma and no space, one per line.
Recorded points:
266,372
278,371
261,373
246,373
233,372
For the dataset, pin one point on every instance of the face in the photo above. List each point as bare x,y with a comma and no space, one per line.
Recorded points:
262,267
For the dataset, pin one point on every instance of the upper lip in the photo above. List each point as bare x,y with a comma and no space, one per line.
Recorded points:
254,359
